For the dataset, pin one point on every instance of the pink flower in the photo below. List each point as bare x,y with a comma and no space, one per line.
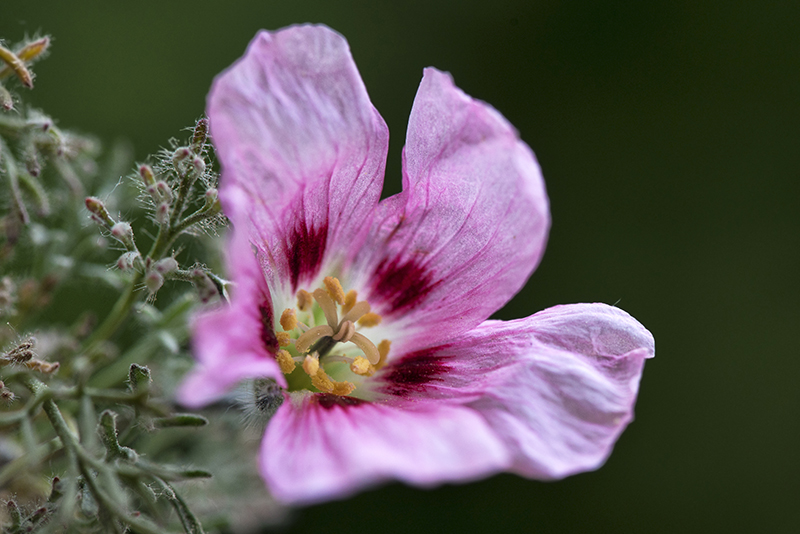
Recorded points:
370,315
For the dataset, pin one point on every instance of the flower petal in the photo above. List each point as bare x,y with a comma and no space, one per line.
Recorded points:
319,447
235,341
470,225
301,147
558,387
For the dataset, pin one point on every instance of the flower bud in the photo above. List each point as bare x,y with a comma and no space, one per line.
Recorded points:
17,66
129,260
32,164
206,288
212,203
146,174
166,265
34,49
123,232
99,211
162,214
164,191
139,377
153,281
198,165
6,100
179,157
199,136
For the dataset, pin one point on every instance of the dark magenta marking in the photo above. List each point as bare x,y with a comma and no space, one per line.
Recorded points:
306,247
413,372
329,401
268,337
402,286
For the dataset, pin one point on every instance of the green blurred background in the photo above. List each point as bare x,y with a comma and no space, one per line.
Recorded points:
668,136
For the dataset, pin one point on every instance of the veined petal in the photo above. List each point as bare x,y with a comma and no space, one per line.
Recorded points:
302,150
557,387
234,341
469,227
319,447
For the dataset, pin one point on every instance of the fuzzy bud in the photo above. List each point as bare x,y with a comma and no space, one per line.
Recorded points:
164,191
123,232
212,203
7,396
17,65
139,377
206,288
99,212
199,136
162,214
166,265
34,49
6,100
32,164
129,260
180,156
153,281
147,176
199,165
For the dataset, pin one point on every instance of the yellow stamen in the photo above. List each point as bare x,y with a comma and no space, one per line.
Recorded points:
304,342
343,388
334,288
311,366
361,366
284,338
328,307
304,300
322,381
289,319
370,319
349,301
383,350
366,346
285,361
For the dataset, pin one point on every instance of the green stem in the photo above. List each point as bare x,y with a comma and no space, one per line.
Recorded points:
71,442
116,317
196,217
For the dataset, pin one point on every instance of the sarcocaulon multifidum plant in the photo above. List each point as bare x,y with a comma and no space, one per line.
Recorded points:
82,421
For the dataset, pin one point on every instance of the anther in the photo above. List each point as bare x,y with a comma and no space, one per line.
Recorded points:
334,288
289,319
322,381
311,365
383,350
361,366
285,361
345,332
370,319
284,339
304,300
349,301
343,388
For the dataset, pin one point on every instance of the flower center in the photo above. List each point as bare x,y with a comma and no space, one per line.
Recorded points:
333,354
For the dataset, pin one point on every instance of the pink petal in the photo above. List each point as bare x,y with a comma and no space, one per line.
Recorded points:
319,447
558,387
470,225
302,149
236,341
